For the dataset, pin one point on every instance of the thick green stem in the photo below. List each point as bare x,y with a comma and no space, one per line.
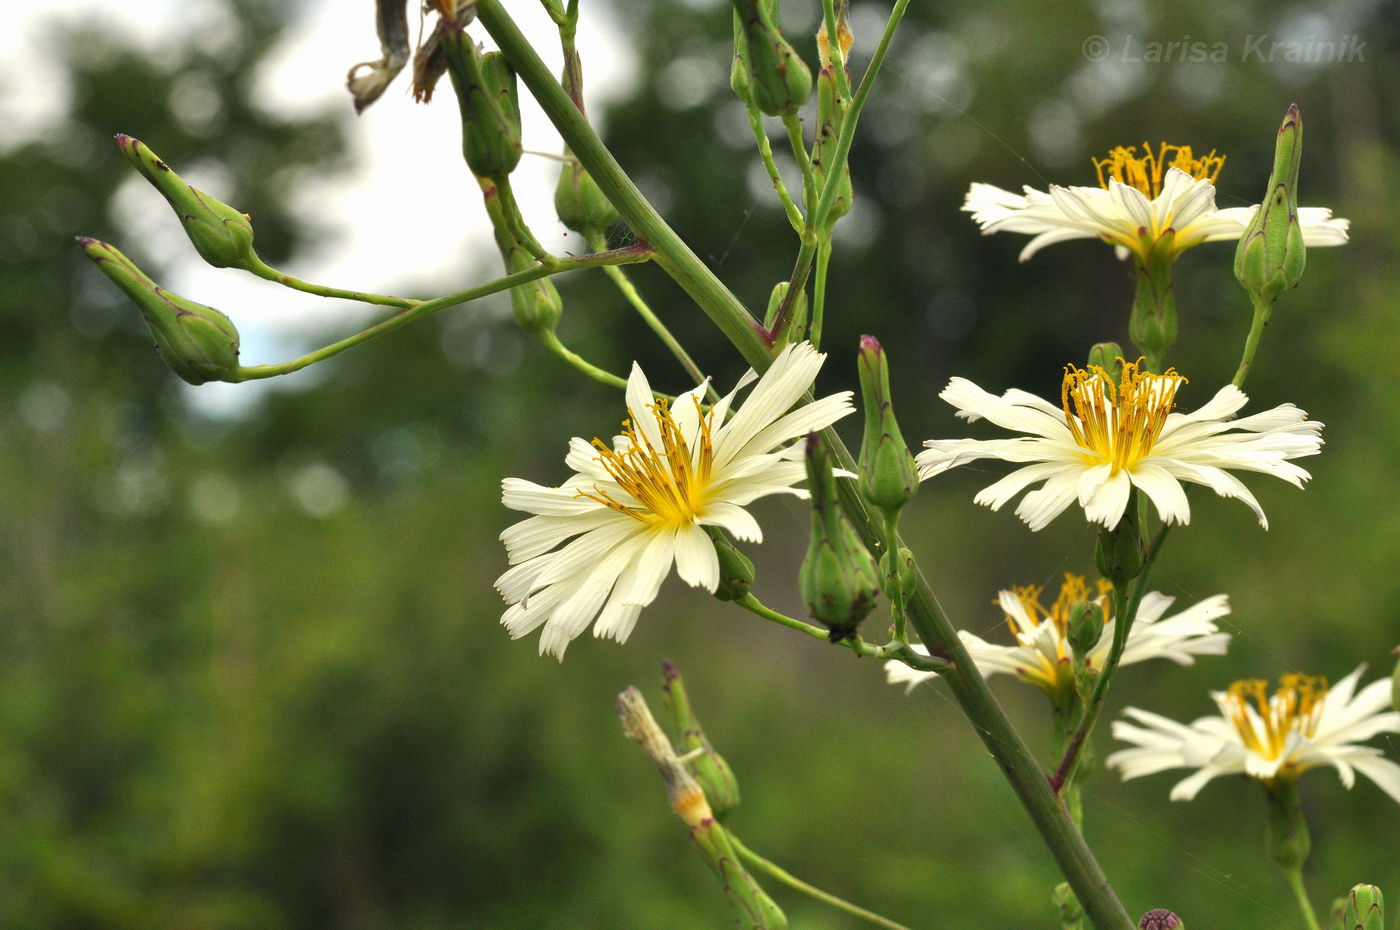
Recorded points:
272,274
1262,311
630,255
1012,754
755,861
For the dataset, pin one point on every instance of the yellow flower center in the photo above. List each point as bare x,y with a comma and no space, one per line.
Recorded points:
1117,425
668,483
1145,171
1296,707
1073,590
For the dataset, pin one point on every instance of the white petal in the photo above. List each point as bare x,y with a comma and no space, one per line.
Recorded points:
696,561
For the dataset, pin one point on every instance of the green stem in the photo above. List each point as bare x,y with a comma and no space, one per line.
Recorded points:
551,340
630,255
1125,607
894,588
511,210
624,284
765,151
819,288
860,647
272,274
1005,744
772,869
1300,893
1262,312
793,123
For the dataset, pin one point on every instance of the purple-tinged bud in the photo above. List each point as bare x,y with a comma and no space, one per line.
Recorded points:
1160,919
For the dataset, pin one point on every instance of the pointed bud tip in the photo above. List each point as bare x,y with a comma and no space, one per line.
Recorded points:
1159,919
669,670
870,344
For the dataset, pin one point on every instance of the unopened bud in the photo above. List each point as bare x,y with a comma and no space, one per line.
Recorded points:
1160,919
779,82
198,343
1270,257
1068,907
709,767
1109,357
1365,909
838,578
736,572
579,203
489,104
908,575
221,235
1119,552
888,475
1085,627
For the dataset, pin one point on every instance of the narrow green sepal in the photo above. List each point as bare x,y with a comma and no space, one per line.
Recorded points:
736,572
198,343
221,235
888,474
489,105
1271,256
579,202
839,578
1365,909
779,82
709,767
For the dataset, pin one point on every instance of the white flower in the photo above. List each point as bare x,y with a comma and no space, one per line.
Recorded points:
639,506
1273,739
1105,440
1134,205
1042,655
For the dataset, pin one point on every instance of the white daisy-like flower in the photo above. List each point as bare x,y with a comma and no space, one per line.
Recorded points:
1274,739
1042,655
633,509
1105,439
1138,199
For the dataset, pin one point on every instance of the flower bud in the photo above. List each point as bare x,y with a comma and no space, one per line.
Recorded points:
1160,918
221,235
1070,910
1365,909
1336,920
708,766
908,575
536,305
735,570
1119,552
831,114
888,475
198,343
838,578
579,203
489,103
1270,257
1085,628
779,82
1109,357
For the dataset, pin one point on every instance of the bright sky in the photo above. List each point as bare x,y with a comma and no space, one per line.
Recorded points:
409,213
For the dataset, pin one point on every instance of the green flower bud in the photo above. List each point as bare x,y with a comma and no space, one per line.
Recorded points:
1119,552
1160,919
221,235
831,113
735,570
1286,839
579,203
1067,905
779,82
537,305
1270,257
708,766
489,103
1085,627
739,71
1365,909
1337,919
888,475
908,575
838,578
198,343
775,300
1109,357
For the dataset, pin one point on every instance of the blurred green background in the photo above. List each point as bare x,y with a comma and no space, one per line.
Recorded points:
251,674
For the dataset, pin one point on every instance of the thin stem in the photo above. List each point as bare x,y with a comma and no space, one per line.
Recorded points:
793,124
630,255
814,334
1125,607
624,284
773,870
1262,312
765,151
1300,893
894,650
894,589
272,274
551,340
516,221
967,685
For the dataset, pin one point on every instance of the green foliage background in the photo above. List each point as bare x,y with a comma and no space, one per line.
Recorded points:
220,711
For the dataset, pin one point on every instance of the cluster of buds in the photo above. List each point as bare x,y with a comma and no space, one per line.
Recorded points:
767,70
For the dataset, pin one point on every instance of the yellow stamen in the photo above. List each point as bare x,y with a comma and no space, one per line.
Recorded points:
1296,707
1074,589
1117,425
1145,171
669,483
